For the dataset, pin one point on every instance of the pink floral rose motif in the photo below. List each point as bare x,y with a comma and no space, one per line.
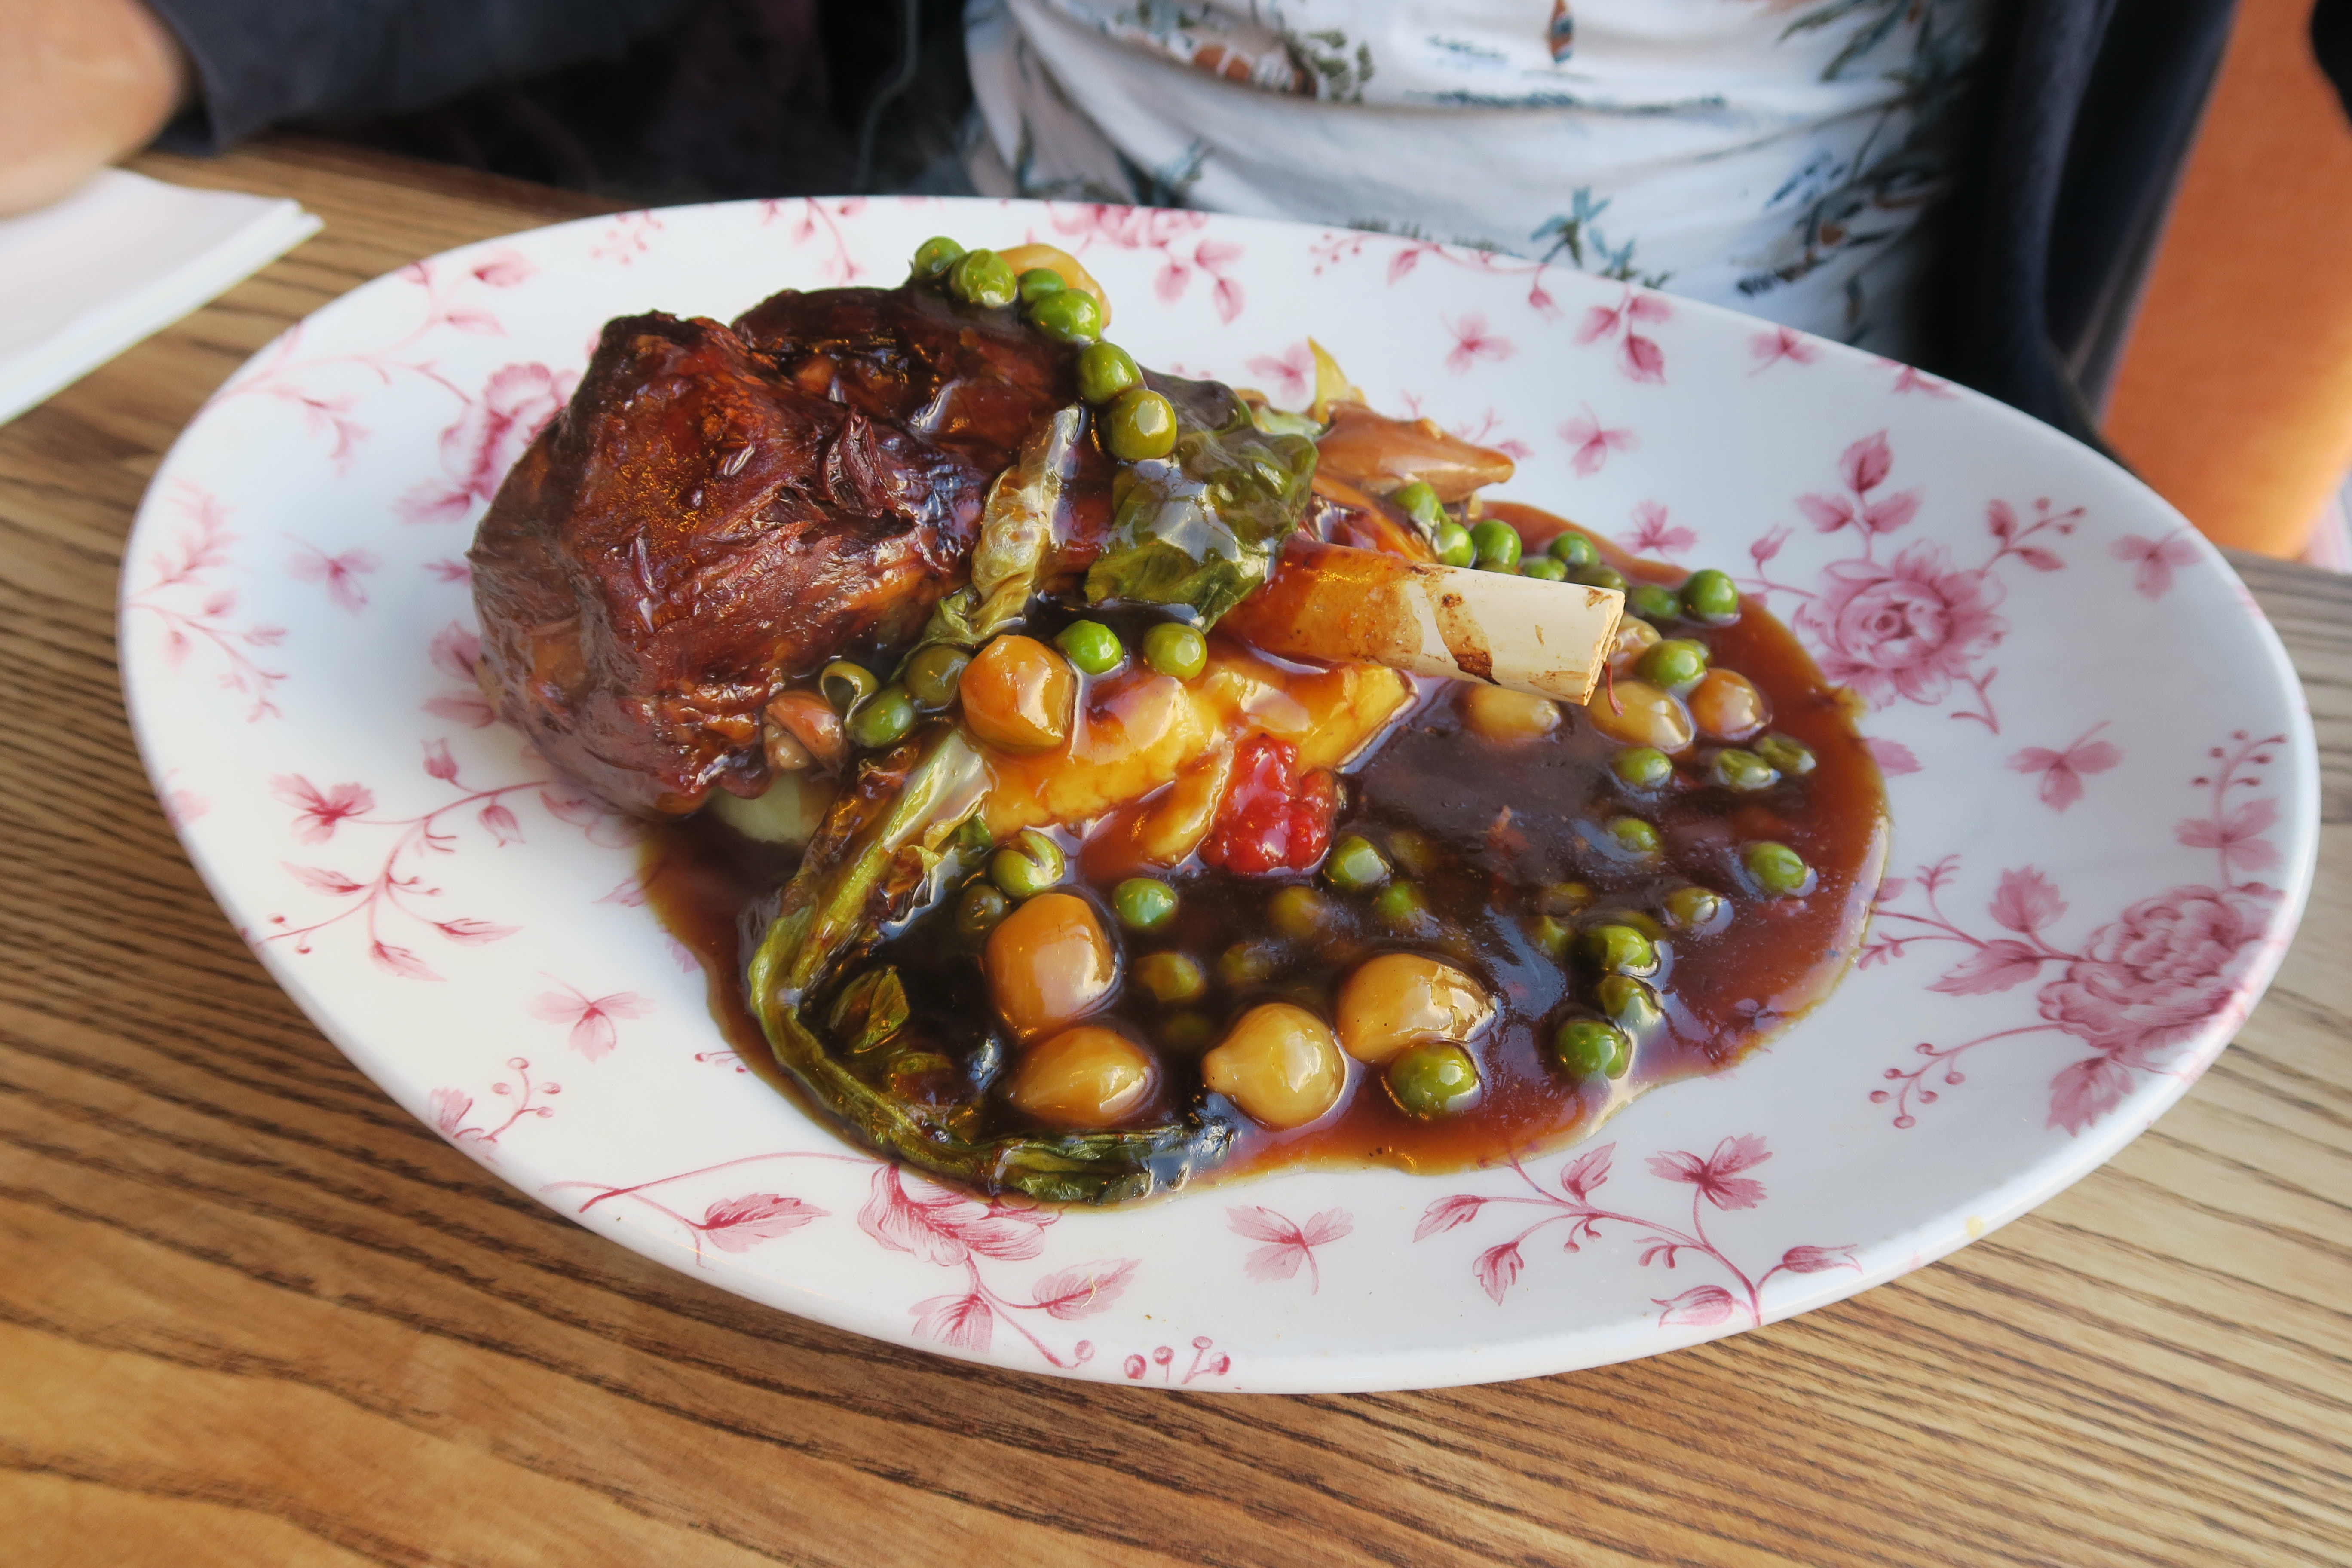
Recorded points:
483,443
1907,628
2161,971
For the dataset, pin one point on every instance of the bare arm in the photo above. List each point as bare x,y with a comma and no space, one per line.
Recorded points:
82,83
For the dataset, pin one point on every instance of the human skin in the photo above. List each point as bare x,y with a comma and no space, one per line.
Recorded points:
82,83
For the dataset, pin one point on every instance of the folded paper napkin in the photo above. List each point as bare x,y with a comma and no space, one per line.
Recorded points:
125,255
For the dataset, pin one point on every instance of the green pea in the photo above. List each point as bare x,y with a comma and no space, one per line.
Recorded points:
984,277
1694,908
979,908
846,685
1038,282
1453,544
933,674
1709,596
1545,568
1354,866
1550,936
1791,756
1644,768
1419,502
1621,950
1588,1048
1172,978
1573,550
1598,575
1245,965
1742,771
1172,648
1139,425
1402,905
1300,913
1144,904
1652,603
1497,545
1072,316
1092,646
1777,868
1565,898
936,255
882,720
1106,370
1436,1079
1633,836
1027,866
1675,664
1415,852
1631,1004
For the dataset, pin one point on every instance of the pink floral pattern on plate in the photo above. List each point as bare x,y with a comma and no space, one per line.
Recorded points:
2081,932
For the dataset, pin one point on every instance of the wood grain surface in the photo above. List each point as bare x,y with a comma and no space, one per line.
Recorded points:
252,1314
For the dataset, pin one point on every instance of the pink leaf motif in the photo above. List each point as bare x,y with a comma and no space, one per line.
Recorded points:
438,762
2001,519
2061,771
450,1109
1473,343
1818,1259
1402,262
1292,377
964,1321
590,1020
504,269
1593,443
2156,560
1648,307
946,1228
1865,465
1497,1269
1769,348
399,961
1447,1213
1170,284
1826,513
1698,1307
1768,546
1716,1177
1082,1292
466,708
737,1224
1652,536
501,824
1288,1245
453,651
334,884
341,574
2026,901
447,571
474,933
1582,1176
1996,966
2238,836
1893,758
1886,516
1599,323
2040,560
1227,298
320,810
2087,1091
1641,359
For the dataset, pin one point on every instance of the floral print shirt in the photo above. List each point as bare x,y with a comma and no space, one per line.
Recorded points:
1773,155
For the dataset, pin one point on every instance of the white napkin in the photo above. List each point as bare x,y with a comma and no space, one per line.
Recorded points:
125,256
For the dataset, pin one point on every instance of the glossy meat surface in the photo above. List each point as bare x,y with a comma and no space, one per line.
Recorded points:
712,517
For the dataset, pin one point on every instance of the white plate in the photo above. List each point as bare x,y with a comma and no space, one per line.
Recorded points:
2102,778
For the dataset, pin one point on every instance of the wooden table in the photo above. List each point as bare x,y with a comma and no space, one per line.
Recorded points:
252,1314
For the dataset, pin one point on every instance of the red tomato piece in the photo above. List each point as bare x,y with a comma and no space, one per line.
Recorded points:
1272,819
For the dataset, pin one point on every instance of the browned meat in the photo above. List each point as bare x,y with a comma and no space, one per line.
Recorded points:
707,520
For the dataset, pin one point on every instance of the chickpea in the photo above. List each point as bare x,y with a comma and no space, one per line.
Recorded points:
1019,695
1398,998
1501,715
1279,1064
1635,638
1727,706
1083,1079
1049,964
1644,715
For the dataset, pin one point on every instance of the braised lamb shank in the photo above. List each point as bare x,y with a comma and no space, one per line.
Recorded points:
721,509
